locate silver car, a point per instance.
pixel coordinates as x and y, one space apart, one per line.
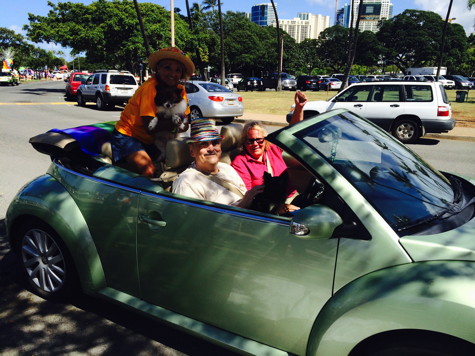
212 100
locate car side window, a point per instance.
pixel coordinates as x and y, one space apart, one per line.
386 93
420 93
96 79
191 88
103 78
355 94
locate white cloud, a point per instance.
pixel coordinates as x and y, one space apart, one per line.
459 11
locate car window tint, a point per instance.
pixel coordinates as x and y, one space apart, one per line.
122 79
103 78
191 88
419 93
96 79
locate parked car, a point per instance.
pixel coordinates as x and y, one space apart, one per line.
107 88
234 78
472 79
307 82
212 100
352 79
7 78
406 109
250 83
379 260
287 81
227 83
416 78
448 84
73 83
460 81
330 84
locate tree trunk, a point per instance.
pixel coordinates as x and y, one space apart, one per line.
442 41
280 49
352 42
221 40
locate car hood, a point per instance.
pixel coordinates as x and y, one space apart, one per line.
455 244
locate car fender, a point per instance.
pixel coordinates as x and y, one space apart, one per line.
436 296
64 216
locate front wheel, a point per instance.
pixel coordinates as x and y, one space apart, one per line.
100 104
46 263
195 113
80 99
406 131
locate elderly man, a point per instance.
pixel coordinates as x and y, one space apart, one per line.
207 178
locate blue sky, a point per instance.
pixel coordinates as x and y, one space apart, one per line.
287 9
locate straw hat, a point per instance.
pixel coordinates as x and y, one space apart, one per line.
203 130
171 53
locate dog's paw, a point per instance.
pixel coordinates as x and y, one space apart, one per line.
176 119
152 124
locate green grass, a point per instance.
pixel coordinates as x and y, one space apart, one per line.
278 103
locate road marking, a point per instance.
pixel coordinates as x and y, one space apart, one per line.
58 103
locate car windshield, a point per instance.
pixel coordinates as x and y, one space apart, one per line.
122 79
404 189
215 88
4 74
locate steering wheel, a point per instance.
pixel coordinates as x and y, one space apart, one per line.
312 194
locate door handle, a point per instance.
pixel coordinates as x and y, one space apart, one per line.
151 221
358 105
394 105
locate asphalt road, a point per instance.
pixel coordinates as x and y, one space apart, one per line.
30 325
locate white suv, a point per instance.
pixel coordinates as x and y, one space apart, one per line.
406 109
107 88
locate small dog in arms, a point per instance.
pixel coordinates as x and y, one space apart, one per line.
170 106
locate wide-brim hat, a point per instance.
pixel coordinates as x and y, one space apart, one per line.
203 130
171 53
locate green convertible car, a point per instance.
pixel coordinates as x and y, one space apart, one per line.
379 260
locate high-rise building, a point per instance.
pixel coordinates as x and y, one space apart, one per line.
263 14
373 12
304 26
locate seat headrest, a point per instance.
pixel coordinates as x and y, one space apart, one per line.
231 134
178 153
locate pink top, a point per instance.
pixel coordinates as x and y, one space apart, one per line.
252 171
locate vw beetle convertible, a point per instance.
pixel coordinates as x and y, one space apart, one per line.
379 260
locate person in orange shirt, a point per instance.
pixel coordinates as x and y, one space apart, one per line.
132 143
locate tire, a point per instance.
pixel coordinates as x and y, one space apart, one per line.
100 104
80 99
195 113
420 344
406 130
46 263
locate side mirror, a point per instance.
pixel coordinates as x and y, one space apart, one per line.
315 222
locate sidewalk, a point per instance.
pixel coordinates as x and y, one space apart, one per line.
458 133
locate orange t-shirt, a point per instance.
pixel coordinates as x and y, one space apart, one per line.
142 103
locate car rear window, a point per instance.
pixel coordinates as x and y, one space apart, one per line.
81 78
214 88
122 79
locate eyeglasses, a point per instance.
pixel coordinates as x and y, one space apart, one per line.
259 141
205 144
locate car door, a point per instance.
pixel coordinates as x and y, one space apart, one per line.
89 89
385 103
354 98
233 269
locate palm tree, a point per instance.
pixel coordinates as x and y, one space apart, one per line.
210 4
471 3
